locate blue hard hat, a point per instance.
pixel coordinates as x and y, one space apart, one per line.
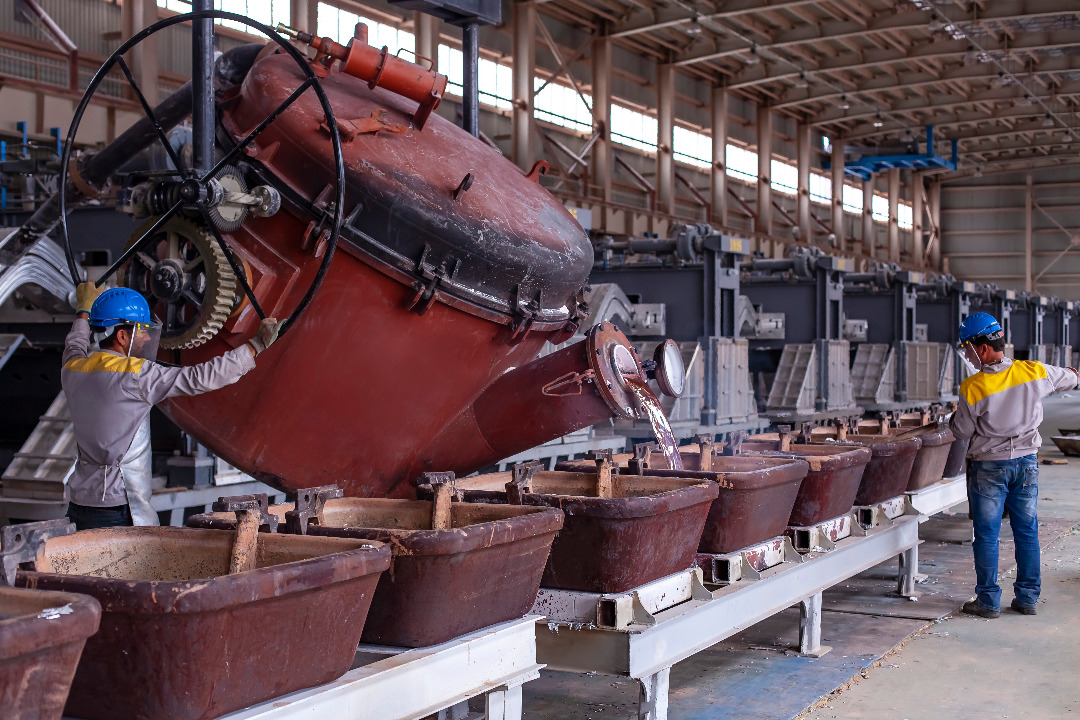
117 306
977 325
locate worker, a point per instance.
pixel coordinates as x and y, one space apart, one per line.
110 393
999 410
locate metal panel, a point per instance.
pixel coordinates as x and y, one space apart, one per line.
735 402
923 370
947 382
841 395
795 383
42 464
872 373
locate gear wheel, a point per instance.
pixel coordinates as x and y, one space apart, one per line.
186 279
226 215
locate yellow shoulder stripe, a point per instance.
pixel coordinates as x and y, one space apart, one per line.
982 385
105 362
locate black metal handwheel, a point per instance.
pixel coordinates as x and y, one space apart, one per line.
183 278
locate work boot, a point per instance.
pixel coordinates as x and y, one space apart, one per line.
974 607
1023 609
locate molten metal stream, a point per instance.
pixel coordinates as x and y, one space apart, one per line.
660 426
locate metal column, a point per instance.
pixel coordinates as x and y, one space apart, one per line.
470 93
305 14
868 240
665 137
803 143
938 234
602 152
1028 202
917 246
524 68
764 188
719 155
829 319
721 295
202 85
838 194
134 16
893 178
427 37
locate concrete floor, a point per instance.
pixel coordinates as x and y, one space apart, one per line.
891 658
1011 667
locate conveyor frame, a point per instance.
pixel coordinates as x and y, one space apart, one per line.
646 652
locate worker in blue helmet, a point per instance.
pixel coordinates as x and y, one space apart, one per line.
110 390
999 412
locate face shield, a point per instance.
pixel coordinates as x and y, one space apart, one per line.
969 357
144 340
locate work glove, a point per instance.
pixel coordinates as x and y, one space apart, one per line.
85 295
265 335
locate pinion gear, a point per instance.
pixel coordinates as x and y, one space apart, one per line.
186 279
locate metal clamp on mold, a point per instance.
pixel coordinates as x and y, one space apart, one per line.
26 544
310 503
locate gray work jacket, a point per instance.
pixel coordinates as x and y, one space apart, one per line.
1000 408
110 395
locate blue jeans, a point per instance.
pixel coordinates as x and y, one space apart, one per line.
994 485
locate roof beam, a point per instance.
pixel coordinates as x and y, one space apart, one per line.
757 74
942 102
892 127
982 71
887 21
672 17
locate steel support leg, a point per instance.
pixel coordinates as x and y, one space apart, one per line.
653 702
810 627
503 703
909 569
457 712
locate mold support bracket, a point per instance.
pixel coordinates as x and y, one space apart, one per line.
653 701
909 566
810 627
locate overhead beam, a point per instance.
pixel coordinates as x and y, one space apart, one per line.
948 102
917 79
884 22
646 21
942 119
934 49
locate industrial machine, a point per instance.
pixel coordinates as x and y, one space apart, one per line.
411 337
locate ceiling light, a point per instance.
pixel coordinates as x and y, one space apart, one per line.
753 59
694 28
1000 80
1027 100
978 171
844 104
801 82
878 122
1048 121
936 24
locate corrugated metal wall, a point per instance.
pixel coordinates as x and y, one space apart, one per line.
984 226
95 28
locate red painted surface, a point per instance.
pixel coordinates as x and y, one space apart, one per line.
359 387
